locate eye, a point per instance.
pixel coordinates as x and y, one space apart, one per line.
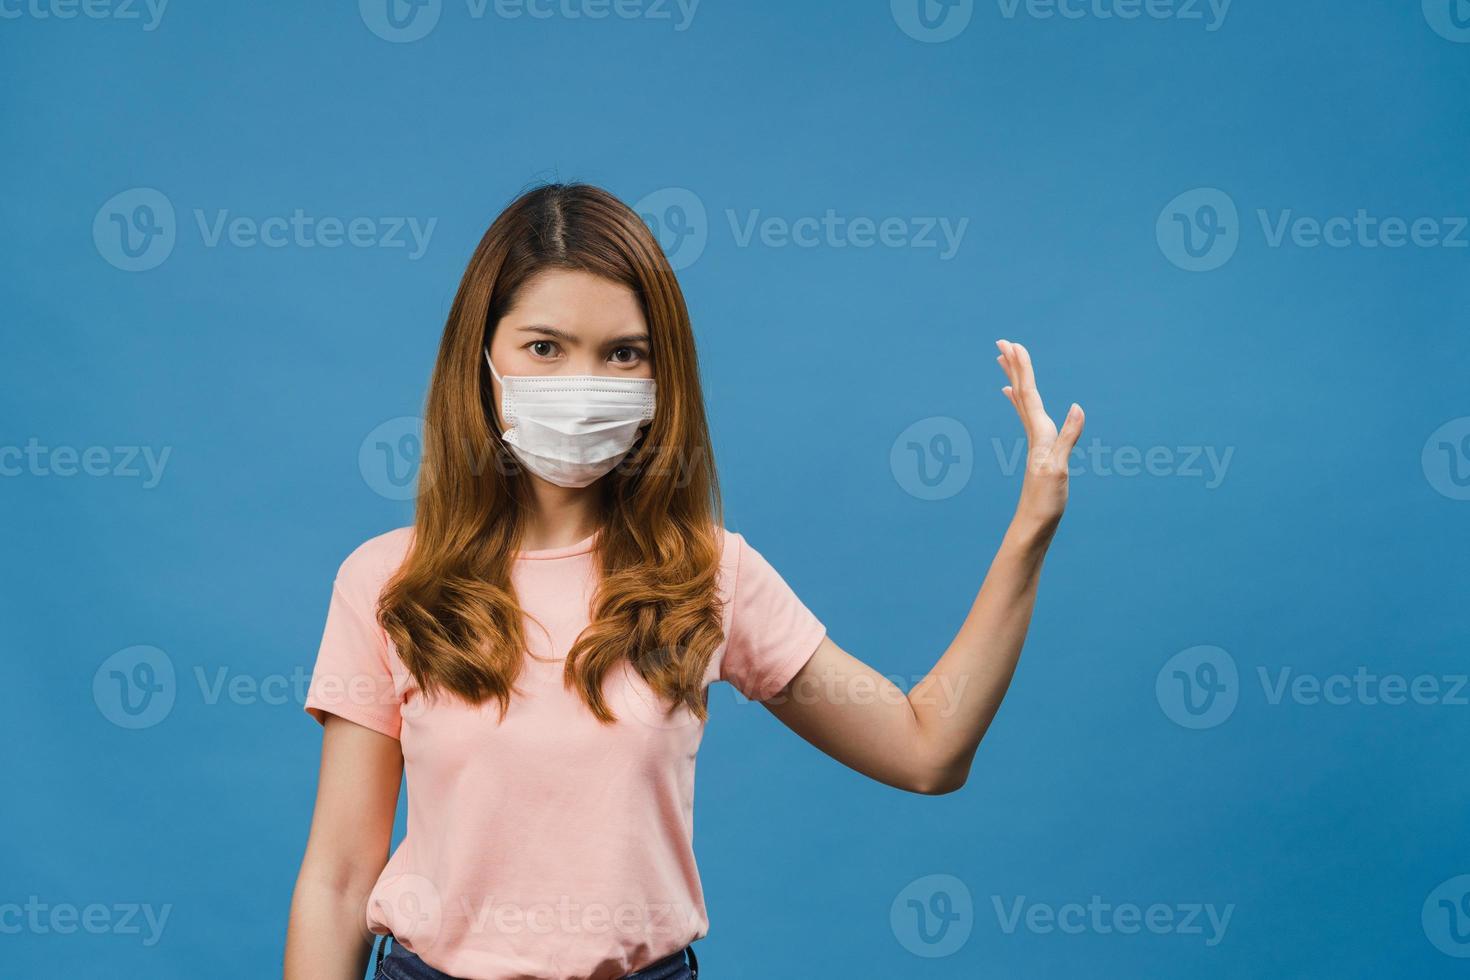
636 355
534 346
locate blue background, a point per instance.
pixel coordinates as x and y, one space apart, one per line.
1328 546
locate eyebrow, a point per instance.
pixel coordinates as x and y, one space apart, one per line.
541 328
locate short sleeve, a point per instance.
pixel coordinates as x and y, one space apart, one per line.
353 677
772 632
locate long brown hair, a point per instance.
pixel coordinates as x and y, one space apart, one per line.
450 609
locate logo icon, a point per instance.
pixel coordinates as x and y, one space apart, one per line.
1446 459
1199 230
1449 18
135 688
390 457
932 21
1446 917
135 230
400 21
1199 687
411 905
932 916
933 458
677 218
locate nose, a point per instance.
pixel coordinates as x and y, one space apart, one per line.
585 363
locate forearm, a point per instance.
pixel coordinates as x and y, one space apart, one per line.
327 937
925 740
955 703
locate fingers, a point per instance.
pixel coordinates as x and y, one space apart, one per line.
1010 394
1026 399
1010 359
1007 362
1029 394
1023 394
1071 431
1023 364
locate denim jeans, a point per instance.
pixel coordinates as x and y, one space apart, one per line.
400 964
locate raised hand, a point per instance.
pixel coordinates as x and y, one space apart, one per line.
1044 490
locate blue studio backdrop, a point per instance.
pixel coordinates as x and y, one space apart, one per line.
1236 233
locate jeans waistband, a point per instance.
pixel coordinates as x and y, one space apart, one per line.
663 969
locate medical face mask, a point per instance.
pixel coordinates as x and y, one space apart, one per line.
571 429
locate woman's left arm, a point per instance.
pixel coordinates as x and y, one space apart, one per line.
924 741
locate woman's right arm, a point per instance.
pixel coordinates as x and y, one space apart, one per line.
351 831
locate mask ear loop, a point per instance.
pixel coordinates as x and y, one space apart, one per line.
506 405
634 451
502 450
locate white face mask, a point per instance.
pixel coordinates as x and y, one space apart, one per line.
571 429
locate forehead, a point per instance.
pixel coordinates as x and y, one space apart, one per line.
576 302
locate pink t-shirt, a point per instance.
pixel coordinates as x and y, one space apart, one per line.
547 845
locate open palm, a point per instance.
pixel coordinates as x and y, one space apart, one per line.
1044 490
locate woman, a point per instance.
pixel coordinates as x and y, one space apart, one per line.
533 652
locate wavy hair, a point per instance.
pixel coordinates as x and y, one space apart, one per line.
451 609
